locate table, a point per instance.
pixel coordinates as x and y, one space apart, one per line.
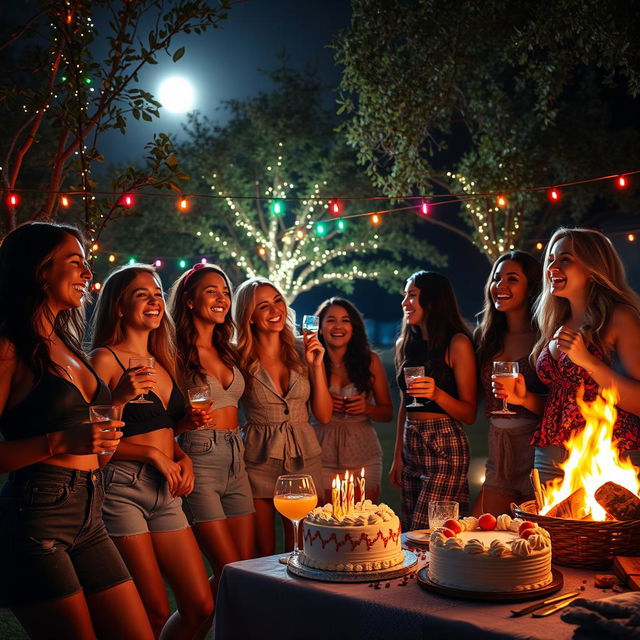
260 599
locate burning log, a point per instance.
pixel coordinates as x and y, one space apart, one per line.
571 508
534 476
621 503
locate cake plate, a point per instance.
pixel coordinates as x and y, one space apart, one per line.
491 596
296 568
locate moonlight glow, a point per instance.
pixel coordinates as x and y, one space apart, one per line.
176 94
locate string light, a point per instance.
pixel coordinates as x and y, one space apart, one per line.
112 258
335 207
342 225
277 208
553 195
13 200
64 202
262 252
157 263
375 219
424 208
182 263
621 182
501 201
183 204
97 286
539 246
631 237
95 247
321 229
127 200
131 260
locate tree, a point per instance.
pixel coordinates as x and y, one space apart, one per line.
504 94
273 173
62 94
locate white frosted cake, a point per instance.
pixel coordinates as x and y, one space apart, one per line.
513 556
366 539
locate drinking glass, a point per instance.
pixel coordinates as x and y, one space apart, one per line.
410 374
348 392
507 373
103 413
200 398
141 362
311 324
294 496
440 511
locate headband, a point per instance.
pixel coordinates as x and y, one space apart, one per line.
196 267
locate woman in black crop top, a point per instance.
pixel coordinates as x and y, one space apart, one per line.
60 573
149 473
431 456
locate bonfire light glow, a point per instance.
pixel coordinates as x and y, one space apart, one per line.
593 458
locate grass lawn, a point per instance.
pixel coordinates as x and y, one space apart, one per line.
11 630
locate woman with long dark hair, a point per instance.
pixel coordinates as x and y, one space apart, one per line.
431 457
60 573
144 481
283 380
360 393
220 508
507 332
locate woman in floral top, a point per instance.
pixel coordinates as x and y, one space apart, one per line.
589 321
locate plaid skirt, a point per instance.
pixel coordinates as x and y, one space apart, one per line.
435 455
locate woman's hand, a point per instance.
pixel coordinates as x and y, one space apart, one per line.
313 349
200 418
86 438
338 403
423 387
572 343
170 469
187 479
395 473
356 405
133 382
519 390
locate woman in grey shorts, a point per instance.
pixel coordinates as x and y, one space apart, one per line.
220 508
279 383
143 484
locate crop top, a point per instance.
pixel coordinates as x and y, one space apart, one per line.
230 396
54 404
144 418
444 380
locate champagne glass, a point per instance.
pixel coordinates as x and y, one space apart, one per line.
294 496
507 373
200 398
141 362
311 324
103 413
410 374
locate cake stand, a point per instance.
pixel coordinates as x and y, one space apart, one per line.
295 567
491 596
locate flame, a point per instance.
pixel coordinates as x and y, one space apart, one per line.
593 458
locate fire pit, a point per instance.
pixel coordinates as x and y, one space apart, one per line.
593 512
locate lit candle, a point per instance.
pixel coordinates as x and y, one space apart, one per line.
343 493
334 496
351 494
361 485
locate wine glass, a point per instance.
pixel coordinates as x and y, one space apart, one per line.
294 496
348 392
507 373
410 374
311 324
103 413
141 362
200 398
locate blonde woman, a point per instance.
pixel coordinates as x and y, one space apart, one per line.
281 377
142 509
589 320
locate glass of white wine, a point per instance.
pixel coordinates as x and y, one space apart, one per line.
294 496
103 413
410 374
141 362
507 374
200 398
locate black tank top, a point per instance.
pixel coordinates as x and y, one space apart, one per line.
54 404
144 418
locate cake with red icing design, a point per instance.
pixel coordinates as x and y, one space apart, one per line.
368 538
498 555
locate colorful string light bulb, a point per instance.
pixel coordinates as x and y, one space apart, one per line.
335 207
554 195
182 263
13 200
64 202
183 204
424 208
375 219
321 229
539 246
631 237
342 225
621 182
277 208
112 258
127 200
501 201
157 263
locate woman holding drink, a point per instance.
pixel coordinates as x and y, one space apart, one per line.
220 508
504 340
431 457
281 377
60 574
360 393
149 473
589 321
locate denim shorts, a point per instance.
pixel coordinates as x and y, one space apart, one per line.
53 542
137 500
222 488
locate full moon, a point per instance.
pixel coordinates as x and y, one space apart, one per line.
176 94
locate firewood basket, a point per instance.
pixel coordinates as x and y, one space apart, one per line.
583 543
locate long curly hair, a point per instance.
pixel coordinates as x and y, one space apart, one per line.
442 318
182 292
25 253
358 356
492 326
608 287
244 305
107 329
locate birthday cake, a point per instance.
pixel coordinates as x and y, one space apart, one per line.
490 554
366 538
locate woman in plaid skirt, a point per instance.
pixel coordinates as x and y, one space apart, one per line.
431 456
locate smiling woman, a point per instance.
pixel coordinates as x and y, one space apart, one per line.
176 94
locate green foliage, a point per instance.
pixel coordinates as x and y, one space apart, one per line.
278 146
504 94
